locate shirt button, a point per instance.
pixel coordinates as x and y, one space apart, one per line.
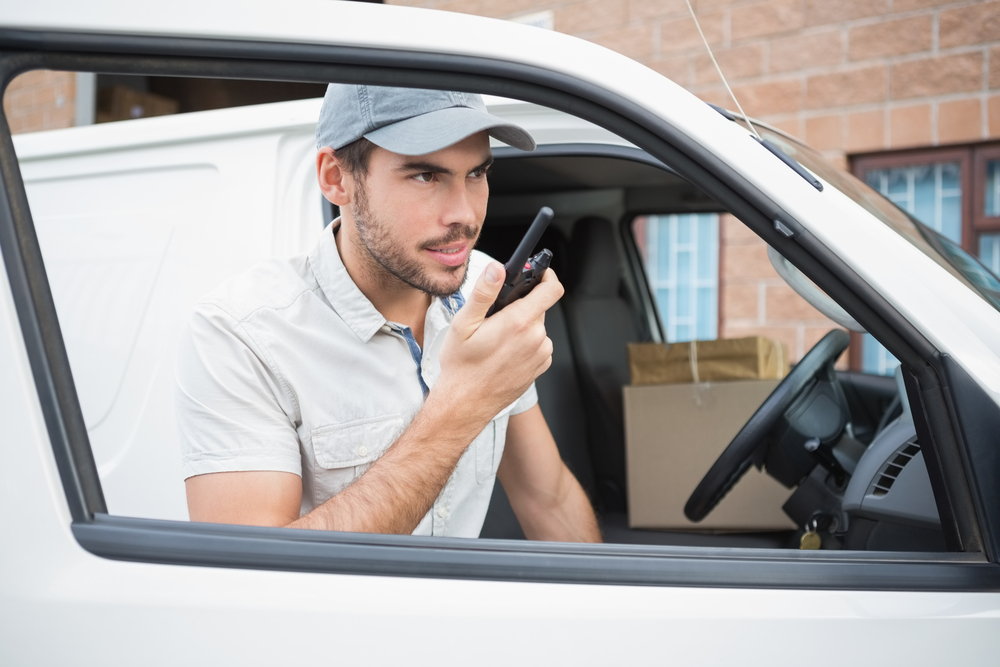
442 512
362 451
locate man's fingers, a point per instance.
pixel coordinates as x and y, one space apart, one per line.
542 297
482 297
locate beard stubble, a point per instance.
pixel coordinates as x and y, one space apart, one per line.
389 264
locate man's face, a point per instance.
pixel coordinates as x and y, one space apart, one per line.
418 218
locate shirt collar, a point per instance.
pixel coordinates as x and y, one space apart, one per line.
345 297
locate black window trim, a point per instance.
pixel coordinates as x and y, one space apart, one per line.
219 58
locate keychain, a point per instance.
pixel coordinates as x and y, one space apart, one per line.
811 539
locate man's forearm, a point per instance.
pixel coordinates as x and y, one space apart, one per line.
567 516
401 486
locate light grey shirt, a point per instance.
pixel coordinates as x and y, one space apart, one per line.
289 367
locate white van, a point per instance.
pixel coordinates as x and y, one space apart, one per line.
109 233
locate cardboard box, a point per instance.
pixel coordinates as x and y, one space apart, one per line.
750 358
673 435
123 103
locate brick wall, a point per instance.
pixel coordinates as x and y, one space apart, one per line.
40 100
754 300
847 76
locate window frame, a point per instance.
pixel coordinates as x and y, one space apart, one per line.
963 156
972 160
123 538
980 221
627 231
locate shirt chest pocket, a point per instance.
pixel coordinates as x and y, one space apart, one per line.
343 452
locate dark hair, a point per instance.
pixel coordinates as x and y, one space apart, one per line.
354 157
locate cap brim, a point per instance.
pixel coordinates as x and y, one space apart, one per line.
435 130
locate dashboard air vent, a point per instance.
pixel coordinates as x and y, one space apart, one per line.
887 476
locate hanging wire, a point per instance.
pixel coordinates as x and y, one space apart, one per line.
719 70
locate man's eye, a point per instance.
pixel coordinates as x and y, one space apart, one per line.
425 177
480 173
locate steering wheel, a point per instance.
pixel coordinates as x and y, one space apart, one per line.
738 456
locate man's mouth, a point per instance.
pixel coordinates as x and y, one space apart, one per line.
453 254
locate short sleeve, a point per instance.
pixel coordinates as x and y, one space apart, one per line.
232 411
527 401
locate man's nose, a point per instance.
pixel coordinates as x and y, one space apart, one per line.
462 205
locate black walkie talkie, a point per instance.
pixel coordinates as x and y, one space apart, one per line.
523 273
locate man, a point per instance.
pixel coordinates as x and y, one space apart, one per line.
360 387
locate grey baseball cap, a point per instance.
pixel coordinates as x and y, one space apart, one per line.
409 121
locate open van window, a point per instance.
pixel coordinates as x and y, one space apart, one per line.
235 187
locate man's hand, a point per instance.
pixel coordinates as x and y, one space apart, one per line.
489 362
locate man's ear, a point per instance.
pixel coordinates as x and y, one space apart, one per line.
333 179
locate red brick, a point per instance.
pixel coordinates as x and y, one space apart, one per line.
700 5
770 17
910 126
737 63
738 302
40 100
823 12
890 38
959 121
825 132
993 116
732 231
718 96
900 6
974 24
45 96
865 131
790 126
635 42
784 303
491 8
937 76
994 67
675 68
859 86
511 8
805 50
462 6
641 10
770 98
680 34
747 262
592 15
837 158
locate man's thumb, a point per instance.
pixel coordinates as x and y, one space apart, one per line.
483 295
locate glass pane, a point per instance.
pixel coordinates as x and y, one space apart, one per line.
875 358
682 263
993 189
932 193
708 247
989 252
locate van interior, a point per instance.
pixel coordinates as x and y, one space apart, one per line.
598 192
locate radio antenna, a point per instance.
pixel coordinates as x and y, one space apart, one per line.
719 70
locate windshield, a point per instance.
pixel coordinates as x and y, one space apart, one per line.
939 248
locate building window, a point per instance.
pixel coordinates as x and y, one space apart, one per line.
681 255
955 191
